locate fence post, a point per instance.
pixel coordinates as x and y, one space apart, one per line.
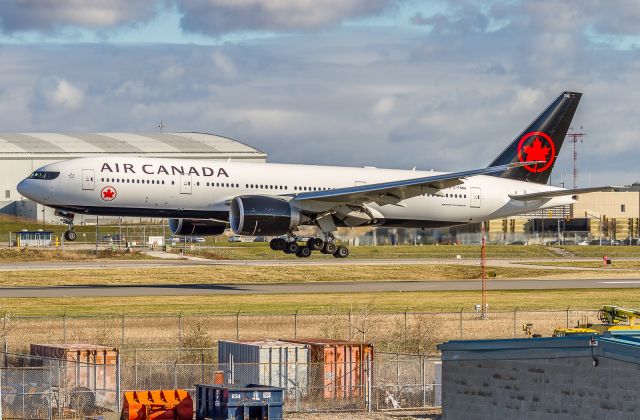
135 367
118 401
515 310
238 325
568 316
461 308
423 372
369 384
180 328
397 369
50 393
405 327
350 322
64 326
295 323
122 332
202 363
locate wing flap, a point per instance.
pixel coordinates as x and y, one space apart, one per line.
562 193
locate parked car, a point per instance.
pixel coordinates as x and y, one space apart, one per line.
584 243
192 239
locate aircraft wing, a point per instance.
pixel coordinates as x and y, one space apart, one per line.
395 191
561 193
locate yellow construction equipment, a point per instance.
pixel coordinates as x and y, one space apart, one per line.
613 318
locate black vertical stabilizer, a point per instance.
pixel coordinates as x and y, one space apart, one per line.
540 141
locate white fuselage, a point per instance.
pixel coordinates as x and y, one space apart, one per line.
167 187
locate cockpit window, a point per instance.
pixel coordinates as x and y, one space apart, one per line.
44 175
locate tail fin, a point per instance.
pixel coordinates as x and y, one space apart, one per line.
540 141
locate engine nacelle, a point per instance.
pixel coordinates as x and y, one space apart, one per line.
202 227
253 215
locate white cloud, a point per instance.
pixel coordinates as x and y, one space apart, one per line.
225 65
60 92
384 106
52 15
221 16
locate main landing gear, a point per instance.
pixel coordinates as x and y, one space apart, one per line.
67 218
292 246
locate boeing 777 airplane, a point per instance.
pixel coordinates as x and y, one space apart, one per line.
205 197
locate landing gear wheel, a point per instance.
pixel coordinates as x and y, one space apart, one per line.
291 248
279 244
303 252
341 252
315 244
70 235
329 248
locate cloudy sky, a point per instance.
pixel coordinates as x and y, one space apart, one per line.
389 83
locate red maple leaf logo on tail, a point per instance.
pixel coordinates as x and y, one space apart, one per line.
536 152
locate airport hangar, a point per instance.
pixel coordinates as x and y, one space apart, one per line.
22 153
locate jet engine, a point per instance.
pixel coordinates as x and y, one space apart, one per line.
254 215
196 227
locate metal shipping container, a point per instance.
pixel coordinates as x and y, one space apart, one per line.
86 368
340 368
267 362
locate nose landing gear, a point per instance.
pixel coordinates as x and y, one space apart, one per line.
70 235
67 218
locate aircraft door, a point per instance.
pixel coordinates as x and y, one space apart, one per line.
476 197
185 184
88 179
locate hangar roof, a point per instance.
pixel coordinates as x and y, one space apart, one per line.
121 143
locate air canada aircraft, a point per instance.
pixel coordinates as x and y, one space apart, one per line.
202 197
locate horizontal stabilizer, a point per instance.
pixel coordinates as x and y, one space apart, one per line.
563 193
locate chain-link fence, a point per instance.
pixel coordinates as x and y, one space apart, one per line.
408 332
38 388
43 388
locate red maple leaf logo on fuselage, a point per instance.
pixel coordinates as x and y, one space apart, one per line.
108 193
536 152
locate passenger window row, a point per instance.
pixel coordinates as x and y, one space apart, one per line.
134 181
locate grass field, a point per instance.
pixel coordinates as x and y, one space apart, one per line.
616 264
244 251
225 274
34 254
446 301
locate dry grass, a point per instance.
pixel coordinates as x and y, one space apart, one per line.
616 264
390 331
8 255
238 274
317 303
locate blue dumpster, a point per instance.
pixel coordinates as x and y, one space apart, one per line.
238 402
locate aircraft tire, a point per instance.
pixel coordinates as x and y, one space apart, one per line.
291 248
303 252
277 244
315 244
329 248
341 252
70 235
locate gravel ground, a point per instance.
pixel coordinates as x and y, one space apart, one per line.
395 415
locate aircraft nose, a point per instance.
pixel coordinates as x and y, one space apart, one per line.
28 189
22 188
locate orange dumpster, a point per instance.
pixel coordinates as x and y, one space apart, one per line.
174 404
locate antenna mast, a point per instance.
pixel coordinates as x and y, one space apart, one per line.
574 136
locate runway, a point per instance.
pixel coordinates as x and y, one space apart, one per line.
317 287
193 262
